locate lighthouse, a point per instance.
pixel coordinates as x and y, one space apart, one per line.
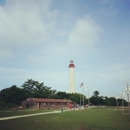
71 77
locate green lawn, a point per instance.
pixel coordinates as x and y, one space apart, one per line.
21 112
90 119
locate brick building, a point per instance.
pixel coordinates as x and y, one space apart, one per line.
45 103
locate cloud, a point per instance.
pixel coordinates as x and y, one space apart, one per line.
53 78
103 1
115 74
109 8
85 32
29 25
5 54
33 33
106 1
34 58
25 23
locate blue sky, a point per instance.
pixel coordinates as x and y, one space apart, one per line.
39 38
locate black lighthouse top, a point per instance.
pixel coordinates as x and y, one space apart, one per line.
71 65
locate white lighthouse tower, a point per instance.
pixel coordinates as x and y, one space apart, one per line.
71 77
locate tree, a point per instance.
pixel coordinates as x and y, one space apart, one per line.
61 95
75 97
38 90
52 93
95 93
95 100
31 85
13 95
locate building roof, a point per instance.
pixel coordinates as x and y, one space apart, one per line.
49 100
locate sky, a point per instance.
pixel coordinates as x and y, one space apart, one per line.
38 38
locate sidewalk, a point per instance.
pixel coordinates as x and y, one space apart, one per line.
13 117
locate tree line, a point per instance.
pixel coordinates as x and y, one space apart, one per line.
14 95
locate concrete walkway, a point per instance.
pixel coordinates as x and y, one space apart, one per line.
13 117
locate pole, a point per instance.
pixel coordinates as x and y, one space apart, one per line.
116 102
127 90
80 99
122 105
128 102
88 97
122 97
83 96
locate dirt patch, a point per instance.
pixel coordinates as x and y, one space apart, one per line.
82 128
38 121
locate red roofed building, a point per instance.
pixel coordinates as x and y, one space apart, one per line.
45 103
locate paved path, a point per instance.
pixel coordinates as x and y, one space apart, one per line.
13 117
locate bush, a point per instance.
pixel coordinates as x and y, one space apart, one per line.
6 106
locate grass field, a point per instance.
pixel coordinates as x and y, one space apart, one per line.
21 112
90 119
